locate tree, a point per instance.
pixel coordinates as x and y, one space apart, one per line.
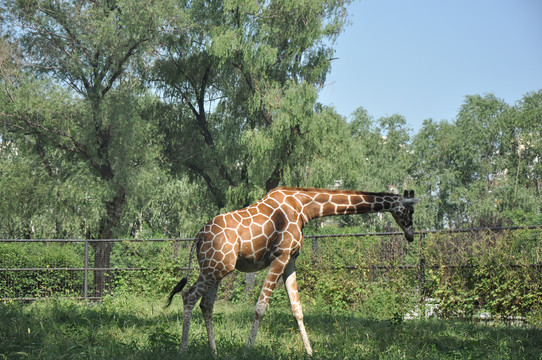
523 163
242 82
527 141
478 170
481 150
385 150
82 111
480 123
437 175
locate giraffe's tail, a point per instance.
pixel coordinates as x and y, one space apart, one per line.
180 286
177 289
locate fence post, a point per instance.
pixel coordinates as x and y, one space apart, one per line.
421 285
85 281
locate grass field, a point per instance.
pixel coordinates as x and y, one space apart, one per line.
130 327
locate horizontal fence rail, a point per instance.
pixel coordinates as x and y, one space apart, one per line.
73 275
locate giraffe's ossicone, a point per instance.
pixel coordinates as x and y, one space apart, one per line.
269 234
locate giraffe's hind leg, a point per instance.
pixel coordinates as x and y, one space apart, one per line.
190 298
206 305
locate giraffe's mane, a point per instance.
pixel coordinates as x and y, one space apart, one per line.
333 191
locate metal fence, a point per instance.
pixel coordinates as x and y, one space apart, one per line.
33 269
422 255
37 269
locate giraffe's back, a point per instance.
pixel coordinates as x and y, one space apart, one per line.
245 239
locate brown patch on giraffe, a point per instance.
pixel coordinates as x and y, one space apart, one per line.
340 199
210 263
279 220
260 219
303 198
256 230
205 246
244 214
268 227
236 216
278 196
377 207
246 222
328 208
219 256
246 249
322 198
265 209
219 221
229 219
260 243
215 229
291 206
229 258
230 235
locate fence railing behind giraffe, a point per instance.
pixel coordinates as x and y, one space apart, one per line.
34 269
44 268
446 250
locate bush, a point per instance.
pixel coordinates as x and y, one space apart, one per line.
495 272
40 283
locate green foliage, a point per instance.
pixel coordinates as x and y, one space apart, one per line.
475 170
493 272
42 283
160 263
241 83
155 125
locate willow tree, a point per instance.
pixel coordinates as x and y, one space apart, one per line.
241 83
526 142
75 97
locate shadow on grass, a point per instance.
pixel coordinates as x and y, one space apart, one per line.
133 329
418 339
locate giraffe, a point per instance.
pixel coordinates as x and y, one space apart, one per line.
268 234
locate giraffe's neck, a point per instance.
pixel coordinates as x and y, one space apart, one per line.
321 202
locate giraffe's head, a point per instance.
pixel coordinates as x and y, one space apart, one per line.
402 213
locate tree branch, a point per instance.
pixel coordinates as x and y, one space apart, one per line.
120 65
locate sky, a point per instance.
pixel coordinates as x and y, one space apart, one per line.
420 58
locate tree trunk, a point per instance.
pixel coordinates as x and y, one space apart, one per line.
102 259
102 249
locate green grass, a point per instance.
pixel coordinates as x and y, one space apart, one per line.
132 327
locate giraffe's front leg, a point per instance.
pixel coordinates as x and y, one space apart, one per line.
276 269
291 287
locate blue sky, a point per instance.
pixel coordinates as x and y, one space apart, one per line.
420 58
